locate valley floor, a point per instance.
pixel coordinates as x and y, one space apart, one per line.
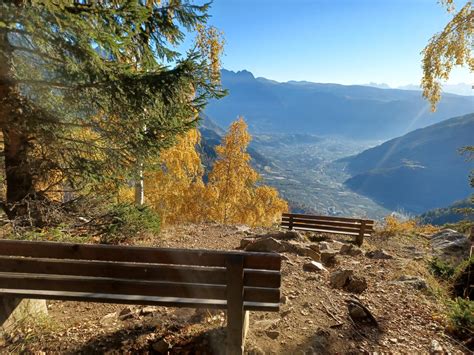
313 317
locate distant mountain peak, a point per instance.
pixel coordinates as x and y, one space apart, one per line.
241 74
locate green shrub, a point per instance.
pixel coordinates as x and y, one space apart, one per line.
441 269
127 221
463 279
461 317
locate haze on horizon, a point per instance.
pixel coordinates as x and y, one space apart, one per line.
343 41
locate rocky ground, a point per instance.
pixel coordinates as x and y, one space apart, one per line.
336 298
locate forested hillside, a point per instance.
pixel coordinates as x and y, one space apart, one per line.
418 171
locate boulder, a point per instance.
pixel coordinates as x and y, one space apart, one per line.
312 254
335 245
340 278
350 249
161 347
450 246
413 281
328 257
378 254
268 245
356 284
314 267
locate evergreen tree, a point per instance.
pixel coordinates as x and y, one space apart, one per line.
80 81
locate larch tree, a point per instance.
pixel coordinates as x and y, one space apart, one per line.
233 184
453 46
107 67
174 188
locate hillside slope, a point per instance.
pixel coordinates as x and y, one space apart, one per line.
419 171
322 109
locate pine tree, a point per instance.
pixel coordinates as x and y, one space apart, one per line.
107 67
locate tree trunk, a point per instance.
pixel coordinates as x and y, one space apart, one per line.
140 188
19 179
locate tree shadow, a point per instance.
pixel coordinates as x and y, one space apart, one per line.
345 339
143 339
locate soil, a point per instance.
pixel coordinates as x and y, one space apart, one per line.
313 316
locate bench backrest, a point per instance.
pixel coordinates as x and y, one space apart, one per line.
329 224
200 275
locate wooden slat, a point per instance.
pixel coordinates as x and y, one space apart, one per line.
322 224
195 257
327 218
257 278
328 228
130 299
260 294
111 286
355 225
329 231
151 272
118 270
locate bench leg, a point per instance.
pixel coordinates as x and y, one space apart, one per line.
16 310
237 327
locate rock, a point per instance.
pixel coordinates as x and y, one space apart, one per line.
284 299
436 347
266 324
360 313
450 246
246 241
349 249
265 245
126 313
414 281
109 319
284 235
293 247
242 228
314 266
378 254
328 257
162 346
272 334
356 284
340 278
335 245
313 254
148 310
324 246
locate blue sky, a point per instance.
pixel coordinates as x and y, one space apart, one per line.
339 41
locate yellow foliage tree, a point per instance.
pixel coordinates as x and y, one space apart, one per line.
451 47
174 190
232 187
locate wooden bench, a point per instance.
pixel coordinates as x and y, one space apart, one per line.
359 228
235 281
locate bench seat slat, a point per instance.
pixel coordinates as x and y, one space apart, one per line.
330 231
325 228
132 299
136 271
328 218
353 225
316 224
131 287
111 286
196 257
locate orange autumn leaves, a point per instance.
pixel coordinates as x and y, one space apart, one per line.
233 193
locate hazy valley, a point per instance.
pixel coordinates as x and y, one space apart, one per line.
322 145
